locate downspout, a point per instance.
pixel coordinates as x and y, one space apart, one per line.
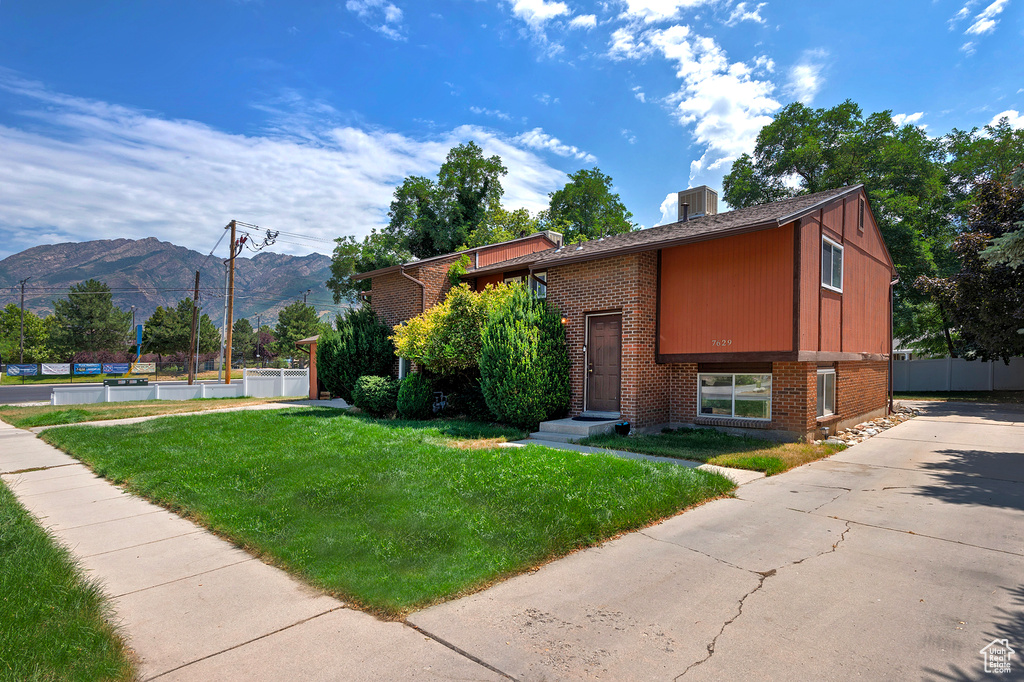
892 289
423 288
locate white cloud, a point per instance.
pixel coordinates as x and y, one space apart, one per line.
961 14
639 93
629 136
741 13
380 15
536 13
587 21
651 11
546 99
1015 117
985 21
968 48
87 170
670 208
491 112
805 79
907 119
538 139
626 45
726 103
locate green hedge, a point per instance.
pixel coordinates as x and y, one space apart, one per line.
524 365
360 346
416 397
376 395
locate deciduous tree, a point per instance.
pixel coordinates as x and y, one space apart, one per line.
587 208
88 321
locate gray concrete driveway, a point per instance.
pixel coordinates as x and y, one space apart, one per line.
900 558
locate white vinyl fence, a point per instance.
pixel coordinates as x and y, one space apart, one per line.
256 383
957 374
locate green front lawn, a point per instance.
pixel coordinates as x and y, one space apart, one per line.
1012 397
53 623
390 515
715 447
48 415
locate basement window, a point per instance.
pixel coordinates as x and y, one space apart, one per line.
826 392
831 265
739 396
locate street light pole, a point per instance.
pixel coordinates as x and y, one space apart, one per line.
21 343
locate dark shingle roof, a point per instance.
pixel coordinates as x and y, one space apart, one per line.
696 229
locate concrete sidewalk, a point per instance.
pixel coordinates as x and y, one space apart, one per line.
194 607
899 558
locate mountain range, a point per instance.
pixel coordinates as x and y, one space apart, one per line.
147 273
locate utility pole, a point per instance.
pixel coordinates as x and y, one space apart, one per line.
231 300
21 343
258 316
224 326
192 333
305 295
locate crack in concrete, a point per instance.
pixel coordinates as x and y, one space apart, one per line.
764 575
697 551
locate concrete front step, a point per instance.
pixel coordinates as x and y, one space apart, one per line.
576 429
552 437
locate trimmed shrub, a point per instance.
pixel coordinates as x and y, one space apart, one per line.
524 366
416 397
375 395
468 401
360 346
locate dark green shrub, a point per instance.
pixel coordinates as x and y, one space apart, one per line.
375 395
524 366
467 400
360 346
416 397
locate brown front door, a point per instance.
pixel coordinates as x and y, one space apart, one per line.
604 355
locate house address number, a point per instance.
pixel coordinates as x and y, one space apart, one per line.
721 342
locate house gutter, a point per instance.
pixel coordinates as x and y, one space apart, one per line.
423 287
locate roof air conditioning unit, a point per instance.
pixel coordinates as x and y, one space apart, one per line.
696 202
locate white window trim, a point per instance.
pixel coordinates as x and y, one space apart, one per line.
771 398
823 371
842 265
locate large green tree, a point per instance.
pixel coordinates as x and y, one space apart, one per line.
500 225
37 336
294 323
169 330
88 321
984 299
587 208
243 341
426 218
806 150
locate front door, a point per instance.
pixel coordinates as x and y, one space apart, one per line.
604 355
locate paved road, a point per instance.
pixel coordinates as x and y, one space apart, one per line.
38 392
899 558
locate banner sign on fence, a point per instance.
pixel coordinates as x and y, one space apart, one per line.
144 368
88 368
22 370
57 368
116 367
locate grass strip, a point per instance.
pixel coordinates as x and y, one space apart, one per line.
715 447
54 624
47 415
389 515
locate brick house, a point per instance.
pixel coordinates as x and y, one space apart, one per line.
771 320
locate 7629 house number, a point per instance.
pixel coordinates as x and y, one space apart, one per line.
721 342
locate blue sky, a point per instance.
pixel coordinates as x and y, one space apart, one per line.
168 119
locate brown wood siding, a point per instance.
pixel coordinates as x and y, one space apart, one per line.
810 281
482 282
501 252
865 303
831 317
870 240
737 288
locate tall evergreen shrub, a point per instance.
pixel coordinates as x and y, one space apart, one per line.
360 346
524 365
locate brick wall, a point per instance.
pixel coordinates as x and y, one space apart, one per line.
627 284
396 298
861 392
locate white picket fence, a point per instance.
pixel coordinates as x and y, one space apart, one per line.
255 383
957 374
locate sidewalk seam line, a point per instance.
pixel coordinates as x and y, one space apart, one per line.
186 577
461 652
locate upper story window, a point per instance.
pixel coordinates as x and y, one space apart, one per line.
538 288
860 216
831 265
